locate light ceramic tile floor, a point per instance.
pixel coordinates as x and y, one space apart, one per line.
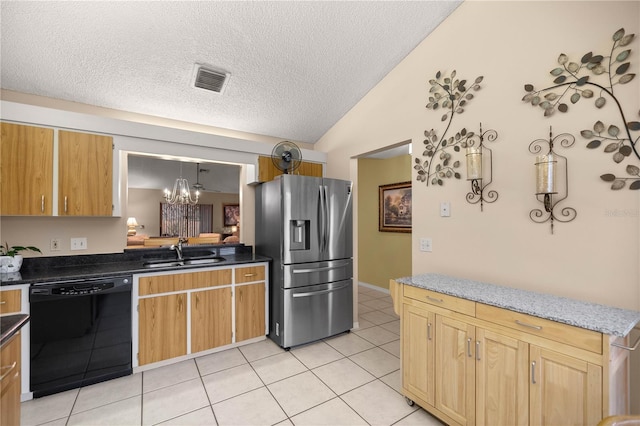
350 379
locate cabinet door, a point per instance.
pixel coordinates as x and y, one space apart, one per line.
10 301
502 380
564 390
418 342
267 171
10 382
455 369
26 155
85 183
162 328
250 311
210 319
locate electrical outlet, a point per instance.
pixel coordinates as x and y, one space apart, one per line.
445 209
425 244
79 243
55 244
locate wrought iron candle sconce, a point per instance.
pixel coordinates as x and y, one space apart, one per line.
479 156
552 182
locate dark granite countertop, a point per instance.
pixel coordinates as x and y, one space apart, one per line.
10 324
62 268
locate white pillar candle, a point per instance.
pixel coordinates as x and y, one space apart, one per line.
474 163
545 174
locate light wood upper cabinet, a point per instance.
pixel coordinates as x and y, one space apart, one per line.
10 381
27 170
85 180
267 171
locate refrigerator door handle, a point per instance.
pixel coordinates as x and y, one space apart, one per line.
327 215
326 268
318 293
321 218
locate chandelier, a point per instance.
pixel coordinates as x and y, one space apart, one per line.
181 193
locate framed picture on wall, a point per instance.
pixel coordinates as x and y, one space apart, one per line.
394 210
231 213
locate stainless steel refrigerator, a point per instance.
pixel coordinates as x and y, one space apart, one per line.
305 224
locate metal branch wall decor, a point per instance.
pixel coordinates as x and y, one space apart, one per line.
552 179
451 95
480 168
596 77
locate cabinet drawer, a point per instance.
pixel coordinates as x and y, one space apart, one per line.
250 274
210 278
552 330
10 301
445 301
180 282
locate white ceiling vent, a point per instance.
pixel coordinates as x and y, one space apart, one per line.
209 79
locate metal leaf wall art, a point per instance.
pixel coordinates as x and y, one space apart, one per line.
450 95
597 77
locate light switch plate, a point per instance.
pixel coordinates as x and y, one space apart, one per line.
445 209
426 244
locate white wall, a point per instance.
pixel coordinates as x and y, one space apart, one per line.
594 258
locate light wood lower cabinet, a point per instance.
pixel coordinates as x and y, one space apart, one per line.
162 328
191 312
502 380
418 354
564 390
250 311
467 370
10 382
210 319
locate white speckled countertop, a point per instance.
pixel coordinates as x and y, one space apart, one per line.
592 316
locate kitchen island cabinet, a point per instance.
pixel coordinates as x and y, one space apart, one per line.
468 362
181 315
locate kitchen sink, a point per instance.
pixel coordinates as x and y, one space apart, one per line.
165 263
203 260
162 263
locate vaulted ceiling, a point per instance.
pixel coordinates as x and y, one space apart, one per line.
296 67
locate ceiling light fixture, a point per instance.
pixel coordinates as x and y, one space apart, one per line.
181 193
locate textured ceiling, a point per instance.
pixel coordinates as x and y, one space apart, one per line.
296 67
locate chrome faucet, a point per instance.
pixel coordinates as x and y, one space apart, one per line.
178 248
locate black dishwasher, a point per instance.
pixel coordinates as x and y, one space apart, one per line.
80 333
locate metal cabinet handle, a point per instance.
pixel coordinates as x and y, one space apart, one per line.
429 331
433 299
3 302
9 369
469 347
629 348
478 350
524 324
249 275
533 372
42 204
65 204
